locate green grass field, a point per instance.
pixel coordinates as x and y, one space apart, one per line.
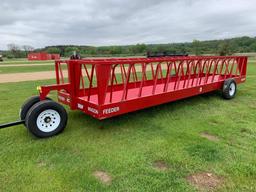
127 146
24 69
8 66
23 61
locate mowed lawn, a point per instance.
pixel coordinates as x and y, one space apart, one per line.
128 149
25 69
23 65
23 61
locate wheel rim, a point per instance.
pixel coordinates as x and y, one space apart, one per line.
232 89
48 120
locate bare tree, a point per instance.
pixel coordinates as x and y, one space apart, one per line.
14 49
27 48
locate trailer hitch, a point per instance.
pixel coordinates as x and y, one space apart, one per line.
2 126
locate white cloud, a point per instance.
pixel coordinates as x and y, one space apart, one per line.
94 22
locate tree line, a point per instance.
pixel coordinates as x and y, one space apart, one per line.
216 47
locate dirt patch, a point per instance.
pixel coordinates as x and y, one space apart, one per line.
30 76
205 181
42 75
160 166
103 176
209 136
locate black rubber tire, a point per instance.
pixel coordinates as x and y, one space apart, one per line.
28 104
37 109
226 90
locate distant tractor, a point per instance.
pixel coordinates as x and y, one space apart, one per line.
75 56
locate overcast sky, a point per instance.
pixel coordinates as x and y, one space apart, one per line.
112 22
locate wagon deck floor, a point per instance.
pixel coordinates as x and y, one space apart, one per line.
147 90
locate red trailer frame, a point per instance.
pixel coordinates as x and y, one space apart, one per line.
105 88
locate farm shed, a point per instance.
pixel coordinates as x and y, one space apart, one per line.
42 56
55 56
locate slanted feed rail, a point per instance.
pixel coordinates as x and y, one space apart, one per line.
107 87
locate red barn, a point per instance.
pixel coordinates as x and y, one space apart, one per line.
42 56
55 56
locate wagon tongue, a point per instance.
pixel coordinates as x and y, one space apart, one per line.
12 124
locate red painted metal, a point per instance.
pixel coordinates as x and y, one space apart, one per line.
55 56
104 88
43 56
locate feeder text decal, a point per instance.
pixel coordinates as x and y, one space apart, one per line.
95 111
111 110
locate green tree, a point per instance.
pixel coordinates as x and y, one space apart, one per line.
53 50
69 51
115 50
196 47
253 47
224 49
138 48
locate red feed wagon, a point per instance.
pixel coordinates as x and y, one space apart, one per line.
104 88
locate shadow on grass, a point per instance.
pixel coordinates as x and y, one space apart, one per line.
141 118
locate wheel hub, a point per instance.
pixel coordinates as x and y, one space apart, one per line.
48 120
232 89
